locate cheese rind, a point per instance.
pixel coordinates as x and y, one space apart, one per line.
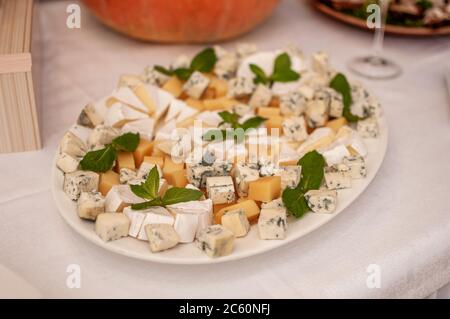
237 222
322 201
119 197
111 226
216 241
272 223
161 237
90 205
80 181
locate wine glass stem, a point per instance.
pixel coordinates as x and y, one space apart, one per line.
379 32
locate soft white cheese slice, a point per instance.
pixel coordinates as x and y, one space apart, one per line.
335 155
186 227
82 132
209 118
120 196
125 95
119 114
144 127
175 108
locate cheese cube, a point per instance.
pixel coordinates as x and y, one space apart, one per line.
67 163
220 189
294 129
161 237
293 103
322 201
245 173
144 148
268 112
216 241
319 63
219 85
102 135
80 181
158 160
197 174
335 155
265 189
242 109
119 197
171 166
119 114
144 127
203 209
261 97
125 160
272 223
368 128
317 109
266 167
154 215
240 86
126 175
174 86
154 77
186 226
226 66
90 204
124 96
107 181
220 103
249 207
290 176
335 179
237 222
275 204
196 85
89 116
72 145
111 226
336 103
274 124
354 166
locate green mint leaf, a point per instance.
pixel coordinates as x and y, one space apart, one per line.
204 61
230 118
214 135
100 160
149 189
176 195
183 73
286 76
127 142
253 122
163 70
295 202
312 164
340 84
260 75
144 205
282 63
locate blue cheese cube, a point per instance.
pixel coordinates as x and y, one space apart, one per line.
161 237
90 117
220 189
154 77
240 87
67 163
111 226
196 85
215 241
261 97
272 223
222 168
237 222
197 174
80 181
293 103
242 109
102 135
126 175
290 176
72 145
318 108
335 179
322 201
368 128
145 169
294 129
90 205
226 66
266 167
354 166
275 204
336 103
245 173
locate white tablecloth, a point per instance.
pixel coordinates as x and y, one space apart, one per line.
401 222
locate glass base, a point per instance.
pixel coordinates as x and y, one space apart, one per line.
375 67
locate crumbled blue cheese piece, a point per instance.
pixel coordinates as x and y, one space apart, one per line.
317 109
261 97
322 201
90 117
145 169
293 103
80 181
237 222
290 176
196 85
181 61
90 204
294 129
67 163
266 167
220 189
216 241
126 175
154 77
272 223
102 135
242 109
368 128
335 179
336 103
245 173
354 166
275 204
197 174
72 145
161 237
226 66
111 226
240 86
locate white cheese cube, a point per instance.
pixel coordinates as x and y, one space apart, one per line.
90 204
290 176
186 227
237 222
181 61
90 117
293 103
126 175
111 226
240 86
80 181
335 179
145 169
72 145
245 173
275 204
222 168
335 155
154 77
272 223
294 129
67 163
196 85
161 237
220 189
226 66
216 241
144 127
368 128
322 201
354 166
261 97
102 135
317 109
119 197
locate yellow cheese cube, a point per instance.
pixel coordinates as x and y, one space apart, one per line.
249 206
274 102
268 111
219 85
196 104
174 86
336 124
274 122
288 163
107 181
158 160
142 93
125 160
144 148
265 189
221 103
174 173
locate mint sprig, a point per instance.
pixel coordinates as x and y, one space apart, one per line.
340 84
282 71
103 160
202 62
312 164
149 190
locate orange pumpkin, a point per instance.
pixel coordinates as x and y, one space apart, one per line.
181 20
